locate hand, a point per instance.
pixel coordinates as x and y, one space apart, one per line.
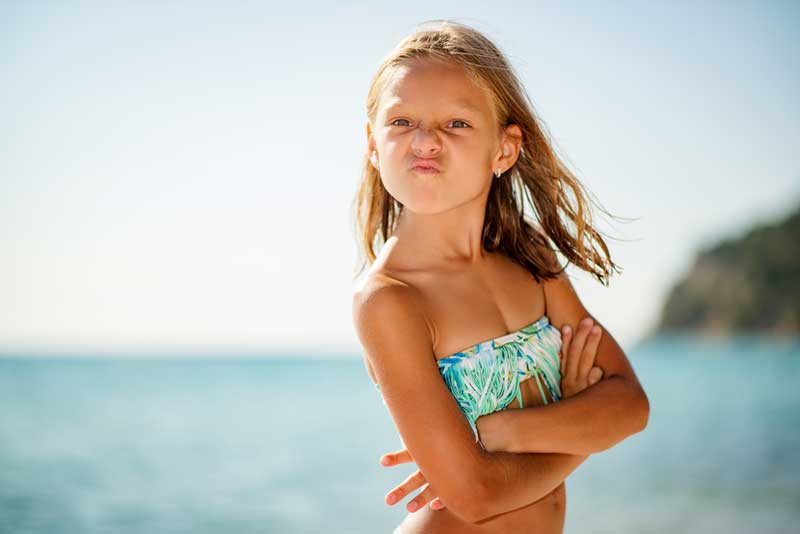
577 357
414 481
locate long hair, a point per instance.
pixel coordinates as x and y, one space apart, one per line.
538 175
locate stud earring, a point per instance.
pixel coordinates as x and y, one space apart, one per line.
497 173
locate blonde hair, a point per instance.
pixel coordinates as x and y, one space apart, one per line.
538 173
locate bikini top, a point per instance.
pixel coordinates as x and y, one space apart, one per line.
485 377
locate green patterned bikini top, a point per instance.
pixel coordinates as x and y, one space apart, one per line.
485 377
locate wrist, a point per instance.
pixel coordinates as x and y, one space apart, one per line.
499 431
506 432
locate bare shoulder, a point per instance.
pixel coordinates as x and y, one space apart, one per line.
563 304
397 344
564 307
383 298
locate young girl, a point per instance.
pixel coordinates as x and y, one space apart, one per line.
466 299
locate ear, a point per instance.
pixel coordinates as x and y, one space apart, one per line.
371 149
510 144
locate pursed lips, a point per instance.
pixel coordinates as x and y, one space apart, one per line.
425 164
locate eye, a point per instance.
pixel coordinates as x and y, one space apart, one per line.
394 121
462 122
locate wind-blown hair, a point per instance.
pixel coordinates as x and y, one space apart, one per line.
538 175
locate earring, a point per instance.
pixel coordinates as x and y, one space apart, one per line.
497 173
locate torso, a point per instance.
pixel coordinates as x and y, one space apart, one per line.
466 306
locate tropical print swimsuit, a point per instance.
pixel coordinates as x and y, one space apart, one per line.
485 377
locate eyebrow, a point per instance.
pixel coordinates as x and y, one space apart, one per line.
468 106
462 105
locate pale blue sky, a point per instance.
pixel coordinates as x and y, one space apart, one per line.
177 177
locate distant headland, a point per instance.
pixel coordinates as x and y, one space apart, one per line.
746 285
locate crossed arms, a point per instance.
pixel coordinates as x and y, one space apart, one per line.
528 463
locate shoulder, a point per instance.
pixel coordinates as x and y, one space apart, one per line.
385 308
381 293
563 304
381 287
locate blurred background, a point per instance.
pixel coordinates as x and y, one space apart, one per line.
177 258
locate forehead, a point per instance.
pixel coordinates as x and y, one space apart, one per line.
434 86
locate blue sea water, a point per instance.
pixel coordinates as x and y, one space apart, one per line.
174 445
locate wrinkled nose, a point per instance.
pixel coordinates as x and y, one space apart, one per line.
425 143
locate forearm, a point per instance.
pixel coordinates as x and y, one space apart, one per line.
591 421
516 480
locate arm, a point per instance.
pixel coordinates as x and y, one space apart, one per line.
592 420
554 469
475 484
519 479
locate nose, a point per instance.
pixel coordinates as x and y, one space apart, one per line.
425 143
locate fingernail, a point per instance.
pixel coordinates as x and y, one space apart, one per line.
390 499
566 329
595 329
412 506
384 460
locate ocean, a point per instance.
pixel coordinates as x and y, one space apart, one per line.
291 445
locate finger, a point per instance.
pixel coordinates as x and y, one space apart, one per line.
395 458
595 375
566 337
590 350
437 504
421 499
575 349
414 481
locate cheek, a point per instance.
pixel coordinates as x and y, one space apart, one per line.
462 180
471 171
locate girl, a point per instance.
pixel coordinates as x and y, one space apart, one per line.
466 299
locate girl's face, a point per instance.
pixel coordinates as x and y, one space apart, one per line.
432 115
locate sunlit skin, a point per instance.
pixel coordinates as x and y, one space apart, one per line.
578 372
434 112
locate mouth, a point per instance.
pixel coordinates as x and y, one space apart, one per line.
425 166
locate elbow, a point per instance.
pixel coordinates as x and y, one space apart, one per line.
471 510
480 506
474 510
471 513
640 414
644 411
638 407
472 504
635 415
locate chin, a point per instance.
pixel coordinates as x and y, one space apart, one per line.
418 199
422 206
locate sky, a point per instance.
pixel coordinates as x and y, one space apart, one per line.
176 178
